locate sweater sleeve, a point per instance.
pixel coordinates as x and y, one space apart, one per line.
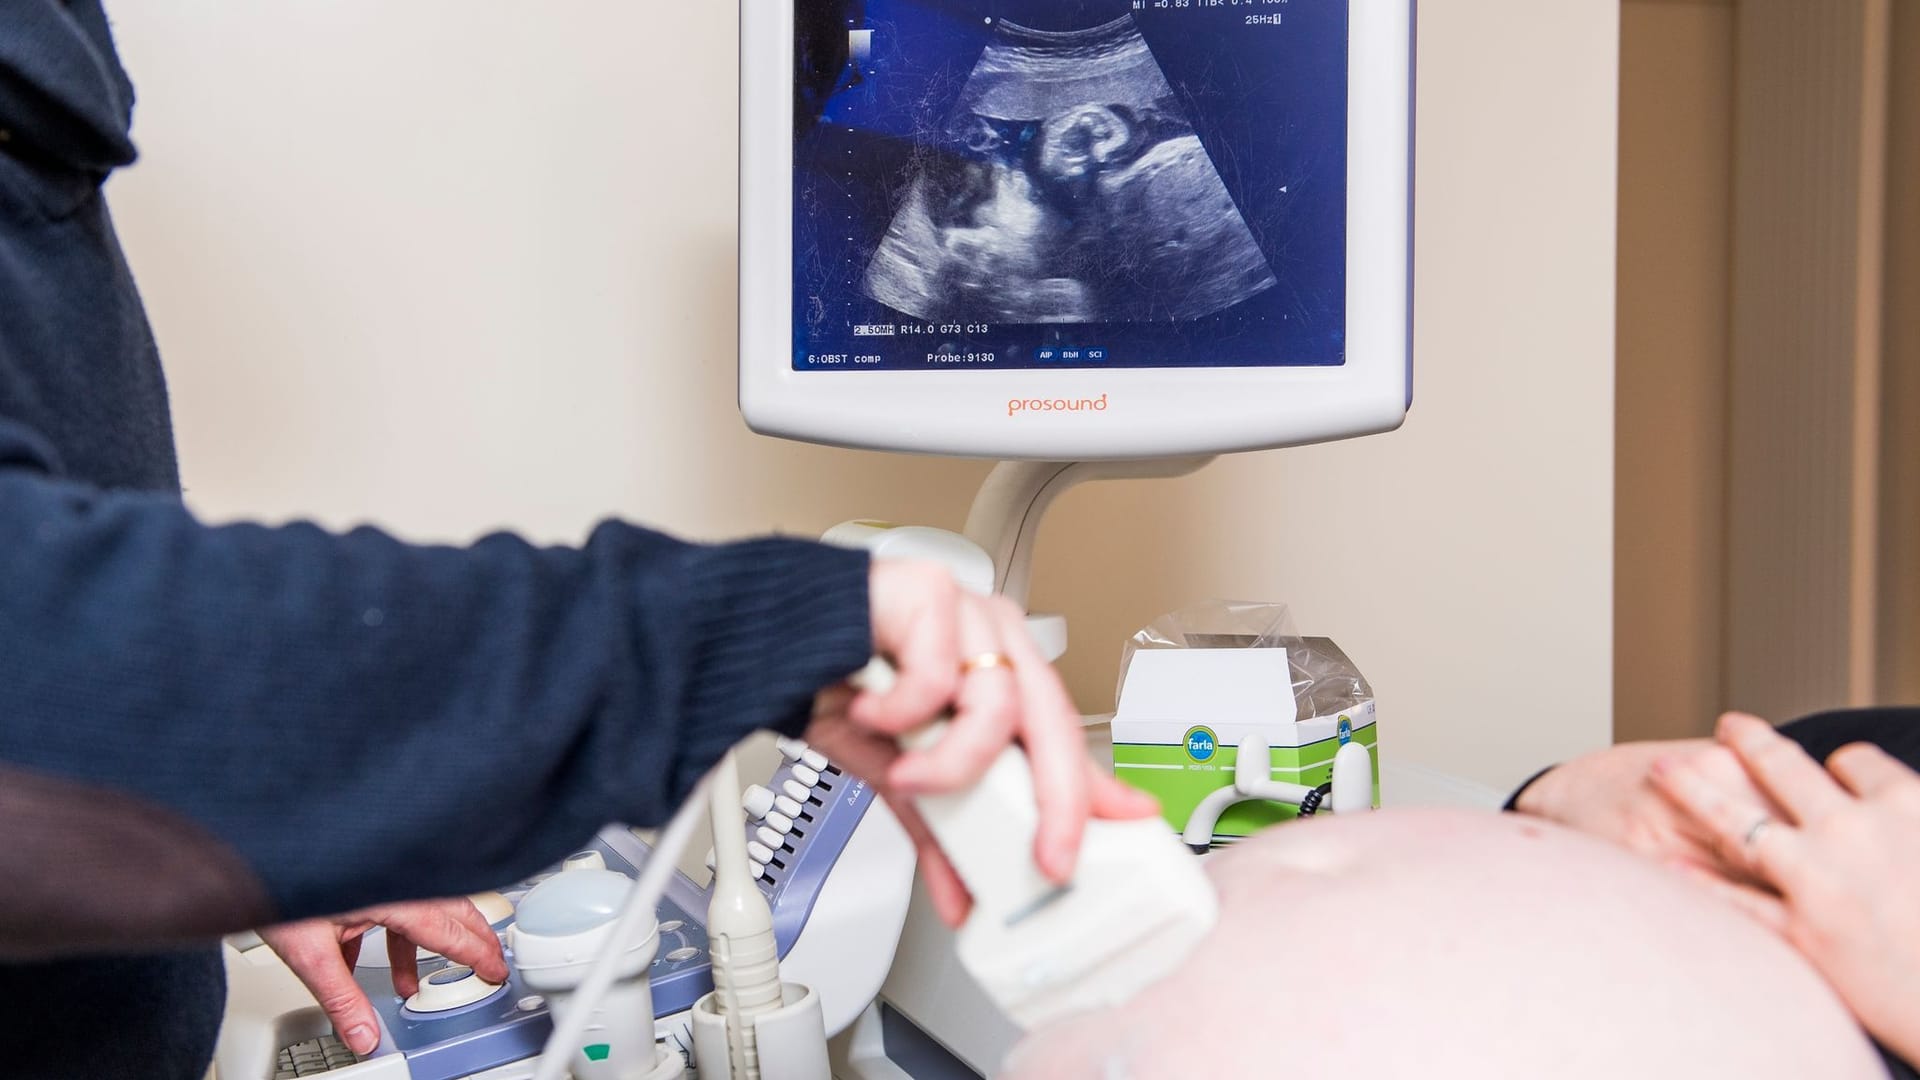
1895 730
345 719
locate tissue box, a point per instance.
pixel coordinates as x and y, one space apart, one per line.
1183 711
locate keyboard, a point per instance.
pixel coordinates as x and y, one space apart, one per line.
313 1058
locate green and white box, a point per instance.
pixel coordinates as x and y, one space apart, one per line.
1183 713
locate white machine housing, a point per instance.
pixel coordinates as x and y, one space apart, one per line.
1152 421
1146 412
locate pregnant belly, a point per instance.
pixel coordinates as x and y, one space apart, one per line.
1444 943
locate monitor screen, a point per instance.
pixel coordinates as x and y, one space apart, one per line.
1033 184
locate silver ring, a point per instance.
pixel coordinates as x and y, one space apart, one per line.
1753 833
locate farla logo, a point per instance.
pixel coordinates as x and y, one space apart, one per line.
1202 744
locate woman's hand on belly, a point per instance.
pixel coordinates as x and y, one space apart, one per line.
1838 853
1610 794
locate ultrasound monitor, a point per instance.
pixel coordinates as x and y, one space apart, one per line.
1075 229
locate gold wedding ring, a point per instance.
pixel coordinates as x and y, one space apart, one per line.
984 661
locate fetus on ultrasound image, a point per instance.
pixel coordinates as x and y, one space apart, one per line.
1066 188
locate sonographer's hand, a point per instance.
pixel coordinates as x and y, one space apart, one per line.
1838 851
322 952
1610 794
954 650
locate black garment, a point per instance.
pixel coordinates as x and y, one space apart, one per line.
1895 730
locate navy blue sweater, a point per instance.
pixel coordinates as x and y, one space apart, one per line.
205 728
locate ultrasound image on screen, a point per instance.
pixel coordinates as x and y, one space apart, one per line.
1076 183
1074 191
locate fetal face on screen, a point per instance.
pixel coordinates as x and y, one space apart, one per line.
1067 187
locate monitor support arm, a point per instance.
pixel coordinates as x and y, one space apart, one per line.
1006 514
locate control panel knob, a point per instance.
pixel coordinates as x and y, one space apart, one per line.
585 860
450 988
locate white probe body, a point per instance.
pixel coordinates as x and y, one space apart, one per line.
1137 904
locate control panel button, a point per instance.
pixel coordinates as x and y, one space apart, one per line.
759 852
791 749
815 760
796 791
759 872
767 836
787 805
493 907
805 775
779 822
757 801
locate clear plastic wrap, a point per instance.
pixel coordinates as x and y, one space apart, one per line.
1325 681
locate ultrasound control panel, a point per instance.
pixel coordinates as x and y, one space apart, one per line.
799 820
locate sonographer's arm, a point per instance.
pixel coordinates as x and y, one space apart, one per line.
203 729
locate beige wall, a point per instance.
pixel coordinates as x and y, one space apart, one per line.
452 267
1676 160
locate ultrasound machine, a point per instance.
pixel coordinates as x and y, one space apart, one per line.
1090 238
